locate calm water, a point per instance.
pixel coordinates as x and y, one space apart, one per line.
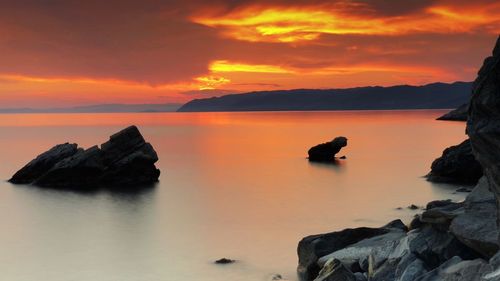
233 185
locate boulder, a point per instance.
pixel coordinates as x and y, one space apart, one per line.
313 247
458 114
334 270
441 213
43 162
410 271
325 152
456 165
483 124
437 273
125 160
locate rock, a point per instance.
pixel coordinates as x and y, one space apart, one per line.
227 261
360 276
437 273
456 165
378 247
325 152
413 207
468 270
463 189
411 271
343 157
441 213
386 271
458 114
483 125
478 231
435 246
313 247
43 162
334 270
476 226
125 160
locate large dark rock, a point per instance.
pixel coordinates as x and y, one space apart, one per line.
456 165
483 124
458 114
43 162
312 248
125 160
325 152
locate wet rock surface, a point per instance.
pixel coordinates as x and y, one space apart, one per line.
126 160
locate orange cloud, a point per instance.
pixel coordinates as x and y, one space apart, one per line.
226 66
307 23
211 82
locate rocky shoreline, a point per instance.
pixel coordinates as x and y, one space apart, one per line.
448 241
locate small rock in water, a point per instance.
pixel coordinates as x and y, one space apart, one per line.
277 277
224 261
325 152
343 157
413 207
463 189
399 208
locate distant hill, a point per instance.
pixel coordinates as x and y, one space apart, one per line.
99 108
431 96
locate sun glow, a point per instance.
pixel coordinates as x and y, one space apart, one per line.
226 66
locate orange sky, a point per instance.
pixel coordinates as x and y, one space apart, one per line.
68 52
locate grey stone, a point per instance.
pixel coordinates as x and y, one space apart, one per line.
334 270
411 272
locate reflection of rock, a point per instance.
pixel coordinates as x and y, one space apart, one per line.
456 165
458 114
326 151
125 160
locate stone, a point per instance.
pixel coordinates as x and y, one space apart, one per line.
313 247
442 212
434 246
326 152
483 124
334 270
458 114
224 261
437 273
476 226
411 271
126 160
456 165
386 271
360 276
43 162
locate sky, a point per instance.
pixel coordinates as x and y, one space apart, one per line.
57 53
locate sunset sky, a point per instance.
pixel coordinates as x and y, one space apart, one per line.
63 52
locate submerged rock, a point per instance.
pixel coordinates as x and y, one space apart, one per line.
325 152
456 165
226 261
125 160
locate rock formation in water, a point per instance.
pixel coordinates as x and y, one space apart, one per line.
325 152
458 114
483 125
125 160
456 165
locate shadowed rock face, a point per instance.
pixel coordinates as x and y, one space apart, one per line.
325 152
125 160
458 114
483 125
456 165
